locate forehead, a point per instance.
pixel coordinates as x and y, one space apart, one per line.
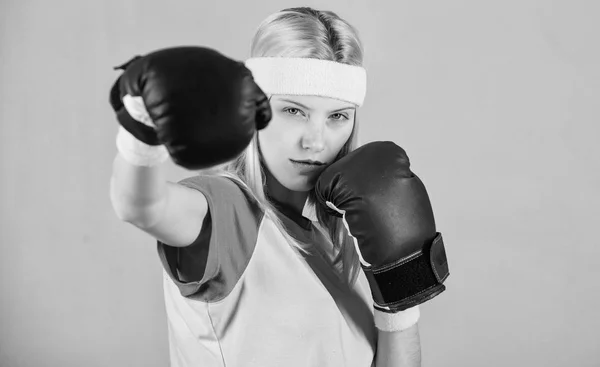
313 102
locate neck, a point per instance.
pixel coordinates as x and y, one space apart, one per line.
291 200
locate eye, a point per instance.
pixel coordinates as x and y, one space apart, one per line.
291 111
341 118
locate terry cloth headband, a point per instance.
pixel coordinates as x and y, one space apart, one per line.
304 76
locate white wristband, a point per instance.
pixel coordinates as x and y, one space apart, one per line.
139 153
397 321
133 150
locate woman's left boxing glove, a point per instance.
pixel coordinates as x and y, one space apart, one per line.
387 210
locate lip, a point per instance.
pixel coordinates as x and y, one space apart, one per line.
307 166
308 161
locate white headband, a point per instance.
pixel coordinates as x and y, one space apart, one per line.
304 76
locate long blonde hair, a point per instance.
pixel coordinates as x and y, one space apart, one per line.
303 32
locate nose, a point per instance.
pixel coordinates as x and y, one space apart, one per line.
313 138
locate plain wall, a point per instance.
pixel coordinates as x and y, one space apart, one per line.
497 104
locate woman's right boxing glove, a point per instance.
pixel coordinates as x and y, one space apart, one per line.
203 107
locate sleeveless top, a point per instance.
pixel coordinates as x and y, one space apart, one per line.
240 295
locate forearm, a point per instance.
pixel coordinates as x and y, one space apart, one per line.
399 348
136 191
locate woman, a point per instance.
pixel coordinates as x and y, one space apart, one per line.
256 274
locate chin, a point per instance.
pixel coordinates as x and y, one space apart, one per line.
300 185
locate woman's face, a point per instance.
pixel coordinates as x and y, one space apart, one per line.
304 128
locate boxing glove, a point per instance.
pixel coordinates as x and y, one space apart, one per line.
202 106
387 211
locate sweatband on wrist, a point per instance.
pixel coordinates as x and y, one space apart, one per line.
397 321
132 149
306 76
139 153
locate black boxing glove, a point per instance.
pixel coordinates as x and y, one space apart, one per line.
202 106
387 210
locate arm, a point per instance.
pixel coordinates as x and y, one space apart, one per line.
399 348
170 212
386 208
191 125
136 191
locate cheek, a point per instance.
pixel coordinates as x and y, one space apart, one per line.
273 142
340 137
272 131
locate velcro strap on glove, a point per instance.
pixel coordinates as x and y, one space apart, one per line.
409 281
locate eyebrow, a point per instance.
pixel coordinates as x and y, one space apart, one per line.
303 106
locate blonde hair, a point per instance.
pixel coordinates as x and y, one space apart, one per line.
303 32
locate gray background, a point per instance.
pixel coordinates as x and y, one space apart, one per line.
496 102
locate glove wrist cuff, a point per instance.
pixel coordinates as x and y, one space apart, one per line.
139 153
410 280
